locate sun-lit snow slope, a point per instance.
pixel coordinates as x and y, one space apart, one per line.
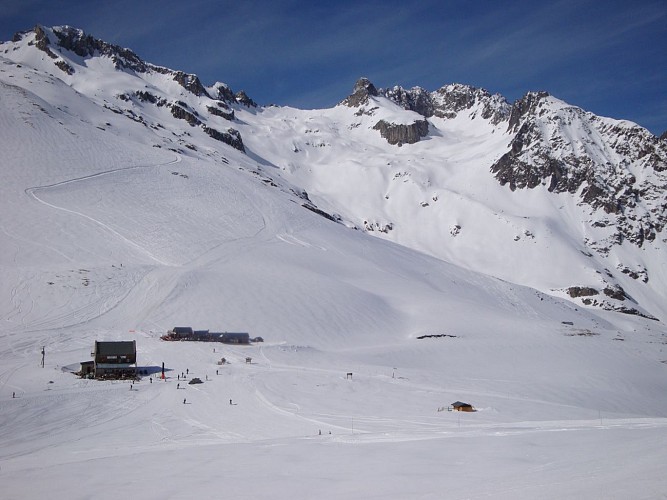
438 196
94 202
117 230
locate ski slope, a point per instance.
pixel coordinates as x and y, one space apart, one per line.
106 236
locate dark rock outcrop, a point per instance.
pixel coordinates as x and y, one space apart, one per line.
181 113
399 134
524 107
450 100
190 83
231 137
581 291
223 93
64 67
363 89
565 149
83 45
42 42
242 98
222 111
416 99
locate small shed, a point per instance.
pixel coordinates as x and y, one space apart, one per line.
115 359
460 406
87 368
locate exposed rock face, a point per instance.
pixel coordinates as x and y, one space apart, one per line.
178 111
65 67
614 167
617 169
399 134
222 111
450 100
83 45
191 83
75 40
362 90
53 41
42 41
223 93
416 99
231 137
581 291
446 102
242 98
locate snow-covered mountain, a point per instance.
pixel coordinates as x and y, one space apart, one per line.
439 245
537 192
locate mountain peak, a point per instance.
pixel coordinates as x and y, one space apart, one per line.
363 89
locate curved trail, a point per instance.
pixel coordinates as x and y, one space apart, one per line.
31 191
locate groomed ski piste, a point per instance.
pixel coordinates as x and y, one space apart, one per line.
105 237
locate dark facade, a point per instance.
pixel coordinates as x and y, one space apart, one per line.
234 338
183 333
115 359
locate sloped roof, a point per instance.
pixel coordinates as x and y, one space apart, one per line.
182 329
116 348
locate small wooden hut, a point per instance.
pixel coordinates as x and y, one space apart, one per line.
460 406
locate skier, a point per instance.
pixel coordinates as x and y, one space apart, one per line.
183 400
178 386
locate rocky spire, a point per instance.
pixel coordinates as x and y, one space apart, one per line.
363 89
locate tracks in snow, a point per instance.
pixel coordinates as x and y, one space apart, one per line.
32 191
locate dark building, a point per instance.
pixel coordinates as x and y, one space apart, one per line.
460 406
115 359
182 330
234 338
187 333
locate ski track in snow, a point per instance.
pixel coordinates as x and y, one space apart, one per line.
561 413
32 191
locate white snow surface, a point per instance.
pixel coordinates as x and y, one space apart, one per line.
114 230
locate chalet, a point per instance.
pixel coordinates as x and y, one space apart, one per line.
182 331
459 406
235 338
185 333
115 359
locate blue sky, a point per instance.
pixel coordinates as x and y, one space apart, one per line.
608 57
